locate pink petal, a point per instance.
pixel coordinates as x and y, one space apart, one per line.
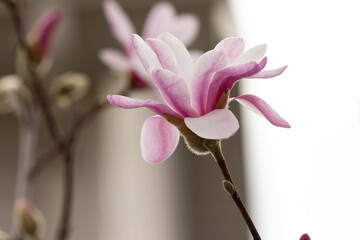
232 47
260 107
227 78
252 55
269 73
146 55
174 91
158 140
305 237
130 103
164 54
185 27
139 70
162 18
114 59
204 69
44 29
218 124
185 62
120 24
157 20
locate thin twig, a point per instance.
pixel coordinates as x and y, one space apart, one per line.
53 152
214 147
41 97
42 162
64 228
16 10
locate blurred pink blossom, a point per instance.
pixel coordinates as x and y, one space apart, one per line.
195 92
162 17
40 36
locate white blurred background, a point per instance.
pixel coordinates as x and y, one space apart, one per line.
304 179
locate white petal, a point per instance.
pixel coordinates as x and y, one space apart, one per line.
252 55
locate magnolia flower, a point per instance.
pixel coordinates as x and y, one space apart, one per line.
162 17
196 94
40 36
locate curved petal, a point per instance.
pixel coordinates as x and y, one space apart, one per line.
181 53
217 124
260 107
269 73
162 18
114 60
204 69
185 27
130 103
164 54
158 140
157 20
227 78
174 91
232 46
120 24
146 55
142 77
252 55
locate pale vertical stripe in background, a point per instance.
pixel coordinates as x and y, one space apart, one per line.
305 179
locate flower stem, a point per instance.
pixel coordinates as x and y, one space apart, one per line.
64 227
28 138
27 153
214 147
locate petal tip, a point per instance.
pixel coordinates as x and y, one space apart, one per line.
110 100
285 124
134 37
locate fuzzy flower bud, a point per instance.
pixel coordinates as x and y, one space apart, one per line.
30 220
11 88
40 36
69 88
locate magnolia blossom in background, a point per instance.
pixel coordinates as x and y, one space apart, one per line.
162 17
196 94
